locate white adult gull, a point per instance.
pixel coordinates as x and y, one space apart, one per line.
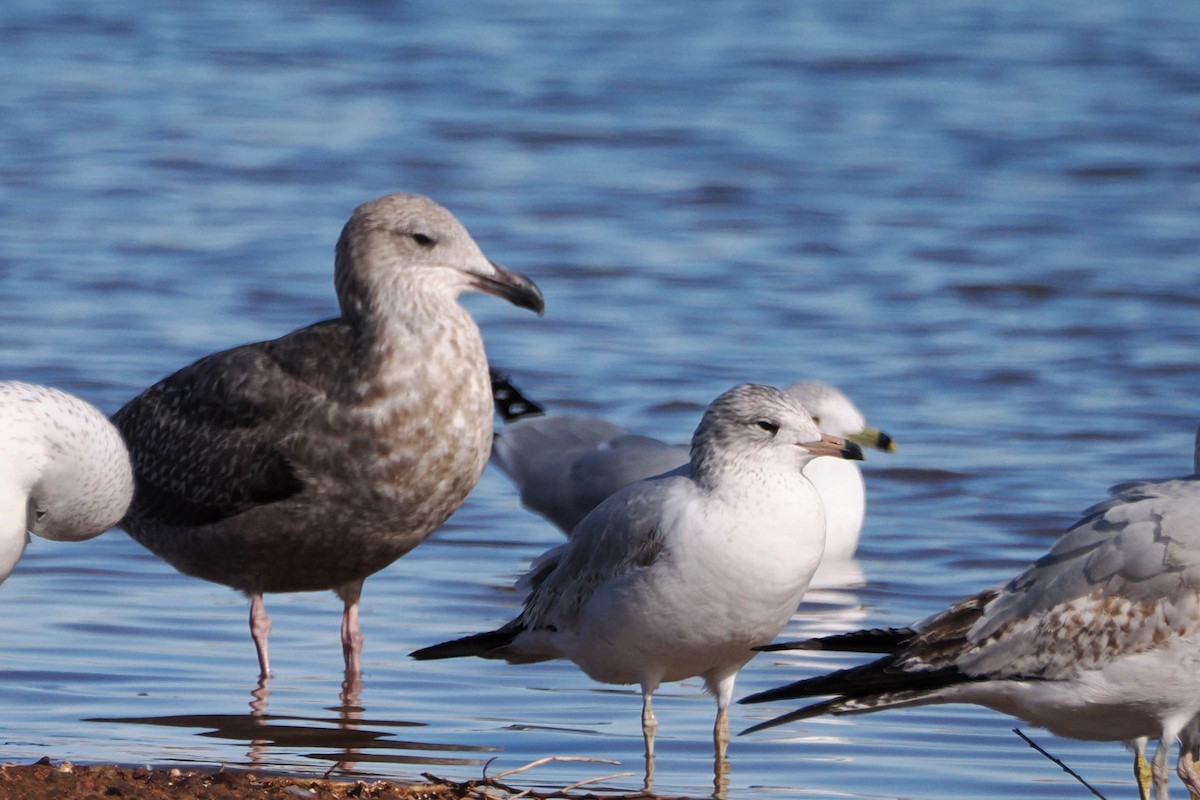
564 465
64 472
1099 639
680 575
314 460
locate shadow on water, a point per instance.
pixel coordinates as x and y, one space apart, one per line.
344 739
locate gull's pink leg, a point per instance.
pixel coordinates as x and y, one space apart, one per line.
352 638
260 631
1188 771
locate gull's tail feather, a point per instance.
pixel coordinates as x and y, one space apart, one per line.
510 403
874 640
484 645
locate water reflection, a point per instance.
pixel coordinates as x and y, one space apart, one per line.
722 769
342 740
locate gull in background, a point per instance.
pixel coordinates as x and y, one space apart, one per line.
564 465
1099 639
682 574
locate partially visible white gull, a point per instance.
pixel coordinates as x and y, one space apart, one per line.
564 465
680 575
64 471
314 460
1099 639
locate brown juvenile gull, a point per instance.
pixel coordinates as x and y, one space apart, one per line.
680 575
565 464
1099 639
314 460
64 472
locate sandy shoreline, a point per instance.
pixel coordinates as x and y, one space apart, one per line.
46 780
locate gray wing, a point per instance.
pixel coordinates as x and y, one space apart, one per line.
626 459
564 465
210 441
1120 581
622 535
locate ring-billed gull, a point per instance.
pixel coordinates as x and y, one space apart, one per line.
564 465
680 575
1098 639
314 460
64 472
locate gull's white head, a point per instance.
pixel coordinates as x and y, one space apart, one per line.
835 413
761 422
64 470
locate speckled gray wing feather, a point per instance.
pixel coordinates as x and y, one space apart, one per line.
1133 545
1126 575
210 441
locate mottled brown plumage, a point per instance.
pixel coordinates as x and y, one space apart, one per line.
314 460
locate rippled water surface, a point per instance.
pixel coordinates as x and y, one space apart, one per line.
979 219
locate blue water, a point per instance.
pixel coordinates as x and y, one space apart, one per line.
979 219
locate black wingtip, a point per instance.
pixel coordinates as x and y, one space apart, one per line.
833 705
805 644
871 640
478 644
510 403
792 716
789 692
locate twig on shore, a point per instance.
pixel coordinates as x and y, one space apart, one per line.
539 762
487 785
566 790
577 784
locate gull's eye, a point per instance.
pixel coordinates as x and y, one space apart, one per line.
424 240
769 427
816 420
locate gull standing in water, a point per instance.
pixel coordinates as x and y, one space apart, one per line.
311 461
564 465
64 471
680 575
1099 639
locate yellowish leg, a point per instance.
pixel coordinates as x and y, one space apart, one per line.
721 734
723 691
1141 769
720 759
